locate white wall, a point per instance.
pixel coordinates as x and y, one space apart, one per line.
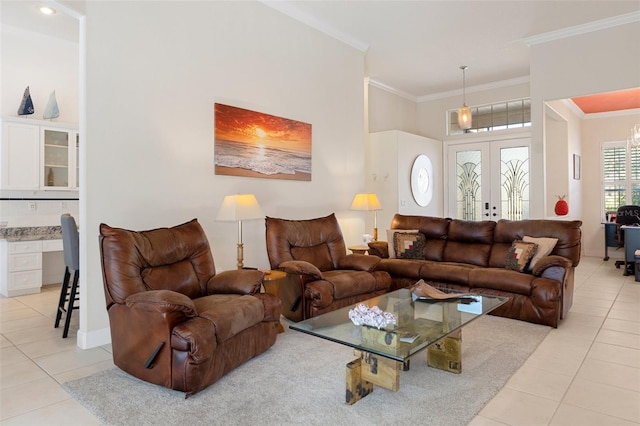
563 141
390 157
151 85
44 64
596 62
389 111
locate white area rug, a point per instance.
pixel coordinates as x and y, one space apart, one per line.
301 380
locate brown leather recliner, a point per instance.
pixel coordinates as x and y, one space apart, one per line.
174 321
328 278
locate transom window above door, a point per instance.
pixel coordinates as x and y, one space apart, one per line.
497 116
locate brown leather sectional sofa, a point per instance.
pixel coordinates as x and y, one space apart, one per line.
472 257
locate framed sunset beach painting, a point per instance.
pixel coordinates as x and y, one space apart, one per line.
254 144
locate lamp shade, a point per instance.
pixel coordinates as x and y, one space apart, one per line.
464 117
239 207
367 201
464 112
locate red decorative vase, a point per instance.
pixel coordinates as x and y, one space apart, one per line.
562 208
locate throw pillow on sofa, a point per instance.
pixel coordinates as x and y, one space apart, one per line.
520 254
409 245
391 238
545 246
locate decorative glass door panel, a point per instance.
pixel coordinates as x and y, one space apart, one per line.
491 180
468 184
514 183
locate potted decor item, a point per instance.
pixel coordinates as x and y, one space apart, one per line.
562 208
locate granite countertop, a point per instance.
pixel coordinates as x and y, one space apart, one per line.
31 233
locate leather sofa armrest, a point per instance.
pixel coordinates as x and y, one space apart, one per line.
550 261
358 262
379 248
236 281
300 267
162 302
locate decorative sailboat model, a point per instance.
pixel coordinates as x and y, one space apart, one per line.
51 111
26 106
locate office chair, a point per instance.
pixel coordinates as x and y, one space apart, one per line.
627 215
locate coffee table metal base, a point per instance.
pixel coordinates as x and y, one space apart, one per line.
369 369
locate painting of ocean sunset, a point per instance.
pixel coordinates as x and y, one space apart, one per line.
253 144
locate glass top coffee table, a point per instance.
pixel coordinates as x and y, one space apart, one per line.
434 325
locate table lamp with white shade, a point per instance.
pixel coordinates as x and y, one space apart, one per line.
236 208
368 202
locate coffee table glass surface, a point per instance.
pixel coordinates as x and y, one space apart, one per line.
419 325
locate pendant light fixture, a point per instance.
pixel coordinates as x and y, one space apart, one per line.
464 112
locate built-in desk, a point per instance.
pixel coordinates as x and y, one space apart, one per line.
21 255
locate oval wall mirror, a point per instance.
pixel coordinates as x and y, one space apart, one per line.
421 180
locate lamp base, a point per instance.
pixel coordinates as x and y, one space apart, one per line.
240 255
375 234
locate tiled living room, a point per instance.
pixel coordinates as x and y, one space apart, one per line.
374 86
585 372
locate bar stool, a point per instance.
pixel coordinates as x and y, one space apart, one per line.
71 249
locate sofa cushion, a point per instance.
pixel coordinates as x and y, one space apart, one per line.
469 242
457 273
180 274
317 255
409 268
391 237
545 247
408 245
230 313
353 283
501 279
520 254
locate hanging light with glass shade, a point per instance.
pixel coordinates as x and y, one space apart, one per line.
464 112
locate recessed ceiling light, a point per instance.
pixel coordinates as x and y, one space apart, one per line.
47 10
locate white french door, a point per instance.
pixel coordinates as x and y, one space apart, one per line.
489 180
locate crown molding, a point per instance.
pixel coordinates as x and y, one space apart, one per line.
583 28
297 14
575 109
451 93
474 89
392 90
621 113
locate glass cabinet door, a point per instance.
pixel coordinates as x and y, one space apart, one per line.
56 158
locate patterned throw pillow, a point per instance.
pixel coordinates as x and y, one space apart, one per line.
520 254
409 245
391 239
545 247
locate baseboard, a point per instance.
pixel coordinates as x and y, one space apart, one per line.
93 339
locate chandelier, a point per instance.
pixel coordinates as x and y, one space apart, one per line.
634 135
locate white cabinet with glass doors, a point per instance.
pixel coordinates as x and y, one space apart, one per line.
59 158
38 154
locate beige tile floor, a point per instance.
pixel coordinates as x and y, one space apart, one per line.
585 372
